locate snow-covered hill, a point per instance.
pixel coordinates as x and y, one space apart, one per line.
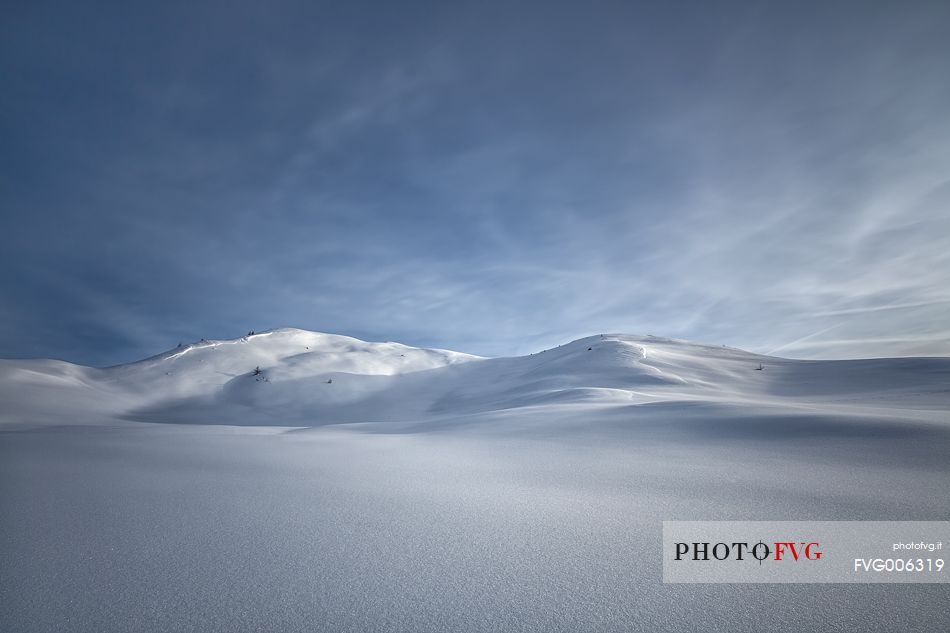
313 379
373 486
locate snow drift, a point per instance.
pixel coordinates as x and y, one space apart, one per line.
353 486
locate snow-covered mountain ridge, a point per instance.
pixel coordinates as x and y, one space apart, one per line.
291 377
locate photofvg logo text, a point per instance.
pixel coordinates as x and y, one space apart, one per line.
804 551
742 550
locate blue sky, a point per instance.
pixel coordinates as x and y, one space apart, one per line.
488 177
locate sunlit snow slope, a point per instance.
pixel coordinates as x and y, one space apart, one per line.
353 486
312 379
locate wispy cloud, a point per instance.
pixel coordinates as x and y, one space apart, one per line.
774 179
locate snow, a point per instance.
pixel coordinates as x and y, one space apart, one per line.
310 379
428 490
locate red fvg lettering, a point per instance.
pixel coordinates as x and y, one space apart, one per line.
800 548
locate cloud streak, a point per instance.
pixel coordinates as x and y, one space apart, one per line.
462 178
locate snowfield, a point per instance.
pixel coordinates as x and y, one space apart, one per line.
355 486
